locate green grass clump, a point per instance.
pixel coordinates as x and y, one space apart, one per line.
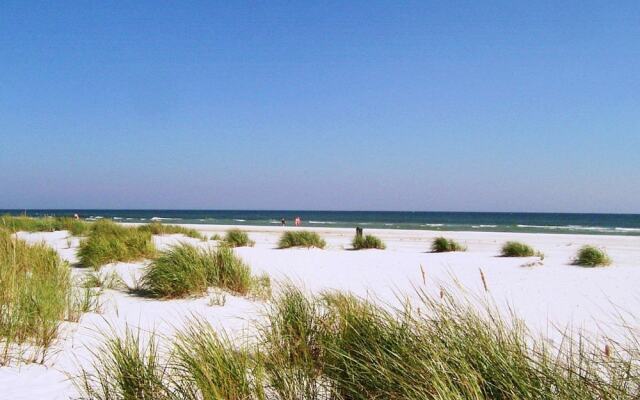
338 346
109 242
291 343
517 249
157 228
181 271
301 239
126 368
590 256
208 366
444 245
360 242
44 224
186 270
237 238
34 294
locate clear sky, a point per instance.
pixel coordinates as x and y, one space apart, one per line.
469 106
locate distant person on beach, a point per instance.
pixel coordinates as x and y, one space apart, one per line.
76 216
298 221
283 222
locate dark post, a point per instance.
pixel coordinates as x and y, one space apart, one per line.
359 231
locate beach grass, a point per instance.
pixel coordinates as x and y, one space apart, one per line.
207 365
339 346
44 224
35 290
444 245
158 228
186 270
129 367
109 242
291 344
238 238
301 239
591 256
183 270
517 249
361 242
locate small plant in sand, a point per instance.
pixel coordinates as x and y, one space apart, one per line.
216 237
361 242
158 228
109 242
519 249
238 238
83 300
443 245
34 295
186 270
301 239
97 279
590 256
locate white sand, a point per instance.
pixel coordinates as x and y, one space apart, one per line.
555 293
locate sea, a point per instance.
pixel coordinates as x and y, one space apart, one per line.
593 224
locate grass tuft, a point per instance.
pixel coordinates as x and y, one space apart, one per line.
157 228
238 238
109 242
444 245
34 294
186 270
518 249
590 256
44 224
125 368
301 239
360 242
208 366
338 346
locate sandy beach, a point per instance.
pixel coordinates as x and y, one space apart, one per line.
547 295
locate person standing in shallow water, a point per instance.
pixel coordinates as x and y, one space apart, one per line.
298 221
283 222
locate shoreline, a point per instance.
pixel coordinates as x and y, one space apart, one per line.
221 228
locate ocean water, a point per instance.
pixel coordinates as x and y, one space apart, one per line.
603 224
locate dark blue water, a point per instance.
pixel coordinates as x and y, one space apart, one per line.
616 224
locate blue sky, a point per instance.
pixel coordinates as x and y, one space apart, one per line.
469 106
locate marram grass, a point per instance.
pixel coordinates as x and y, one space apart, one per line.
361 242
43 224
157 228
108 242
238 238
34 295
443 245
186 270
338 346
590 256
301 239
518 249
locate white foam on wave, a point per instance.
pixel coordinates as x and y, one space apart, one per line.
571 227
323 222
627 229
